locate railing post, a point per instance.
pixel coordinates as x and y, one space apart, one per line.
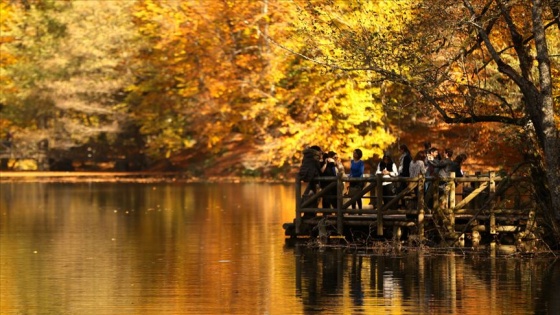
435 192
298 204
379 202
477 204
420 206
452 190
451 187
492 192
339 200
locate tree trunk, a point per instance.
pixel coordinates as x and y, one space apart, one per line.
548 135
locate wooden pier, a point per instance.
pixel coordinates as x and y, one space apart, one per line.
462 211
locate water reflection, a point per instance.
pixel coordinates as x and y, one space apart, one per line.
330 280
94 248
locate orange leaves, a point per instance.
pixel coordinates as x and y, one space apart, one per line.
215 64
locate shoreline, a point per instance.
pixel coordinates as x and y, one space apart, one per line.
126 177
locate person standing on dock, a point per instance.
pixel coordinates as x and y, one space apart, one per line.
418 167
389 169
339 165
404 166
444 166
404 160
457 165
310 168
356 171
431 156
443 169
328 169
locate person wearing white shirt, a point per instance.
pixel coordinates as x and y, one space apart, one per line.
389 169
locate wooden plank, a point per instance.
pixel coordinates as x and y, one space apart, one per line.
420 206
339 199
471 196
491 196
379 200
298 205
361 194
399 196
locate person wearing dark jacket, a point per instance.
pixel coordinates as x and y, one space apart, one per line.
404 161
456 167
310 168
404 166
444 166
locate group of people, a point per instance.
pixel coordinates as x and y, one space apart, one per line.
317 163
428 163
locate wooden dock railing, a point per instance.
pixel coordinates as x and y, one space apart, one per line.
480 203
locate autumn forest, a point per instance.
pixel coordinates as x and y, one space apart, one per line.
246 84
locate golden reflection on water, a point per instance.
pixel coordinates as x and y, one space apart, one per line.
144 249
219 249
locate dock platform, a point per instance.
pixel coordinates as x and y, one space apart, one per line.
455 211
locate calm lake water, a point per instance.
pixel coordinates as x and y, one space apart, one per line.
110 248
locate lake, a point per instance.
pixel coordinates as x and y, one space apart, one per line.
219 248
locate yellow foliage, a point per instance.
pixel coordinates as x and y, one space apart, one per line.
6 58
281 75
332 109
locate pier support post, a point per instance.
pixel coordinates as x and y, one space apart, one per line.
339 201
379 202
298 204
420 206
477 201
450 193
491 195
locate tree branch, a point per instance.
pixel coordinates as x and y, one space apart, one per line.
517 40
502 66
